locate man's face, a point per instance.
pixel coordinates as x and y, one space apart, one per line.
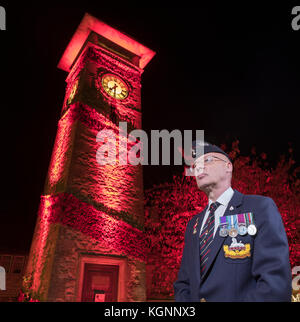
212 169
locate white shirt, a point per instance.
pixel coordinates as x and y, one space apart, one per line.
224 201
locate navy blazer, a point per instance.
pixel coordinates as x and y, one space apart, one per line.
264 276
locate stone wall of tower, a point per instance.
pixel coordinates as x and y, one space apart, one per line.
72 244
118 187
89 209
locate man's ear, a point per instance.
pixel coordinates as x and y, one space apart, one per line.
229 167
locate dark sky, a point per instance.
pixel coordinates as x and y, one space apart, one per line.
233 71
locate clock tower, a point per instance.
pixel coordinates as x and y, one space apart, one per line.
88 243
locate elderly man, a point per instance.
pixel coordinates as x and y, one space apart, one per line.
236 249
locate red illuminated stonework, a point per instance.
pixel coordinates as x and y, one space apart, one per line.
90 221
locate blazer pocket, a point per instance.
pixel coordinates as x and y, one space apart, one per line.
237 260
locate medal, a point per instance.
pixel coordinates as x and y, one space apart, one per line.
223 230
232 231
242 229
252 230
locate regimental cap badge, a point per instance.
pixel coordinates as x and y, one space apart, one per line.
193 153
200 147
198 144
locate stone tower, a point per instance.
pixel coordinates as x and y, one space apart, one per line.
88 243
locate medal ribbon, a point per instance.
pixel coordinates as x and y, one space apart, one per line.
222 221
235 221
241 219
228 221
249 215
232 222
247 220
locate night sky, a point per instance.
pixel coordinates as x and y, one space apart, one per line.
233 71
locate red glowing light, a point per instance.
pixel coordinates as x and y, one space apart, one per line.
113 185
90 23
59 155
45 211
111 233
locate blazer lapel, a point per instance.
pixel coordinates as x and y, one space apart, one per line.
218 241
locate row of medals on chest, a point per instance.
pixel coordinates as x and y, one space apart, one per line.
233 229
240 224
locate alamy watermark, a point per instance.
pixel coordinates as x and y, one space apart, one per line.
296 20
296 279
2 279
2 18
132 148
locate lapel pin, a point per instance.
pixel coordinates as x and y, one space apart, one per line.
231 208
195 226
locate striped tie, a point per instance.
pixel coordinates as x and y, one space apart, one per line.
207 236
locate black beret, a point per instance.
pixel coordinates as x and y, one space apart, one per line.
207 148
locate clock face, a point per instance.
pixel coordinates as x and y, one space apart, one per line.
73 92
114 86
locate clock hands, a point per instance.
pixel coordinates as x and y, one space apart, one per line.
114 88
